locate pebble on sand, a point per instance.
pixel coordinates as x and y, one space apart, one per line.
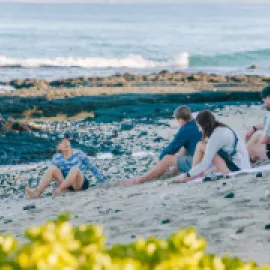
229 195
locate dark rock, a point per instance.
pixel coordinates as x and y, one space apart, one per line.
254 67
165 221
224 184
267 226
229 195
117 211
126 127
143 133
28 207
259 174
133 236
6 221
158 139
117 150
240 230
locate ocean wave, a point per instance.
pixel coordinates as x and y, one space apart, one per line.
131 61
182 60
239 59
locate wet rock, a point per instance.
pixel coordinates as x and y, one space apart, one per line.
158 139
165 221
126 127
117 150
229 195
29 207
240 230
254 67
6 221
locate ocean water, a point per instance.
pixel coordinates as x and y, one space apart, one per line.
59 41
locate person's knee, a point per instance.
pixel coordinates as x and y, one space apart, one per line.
169 159
255 140
53 169
75 169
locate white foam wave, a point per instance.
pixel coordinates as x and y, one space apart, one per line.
131 61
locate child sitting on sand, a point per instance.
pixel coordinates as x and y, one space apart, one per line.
68 169
186 139
220 147
259 145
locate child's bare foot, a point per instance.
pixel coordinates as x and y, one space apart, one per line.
129 182
33 194
56 192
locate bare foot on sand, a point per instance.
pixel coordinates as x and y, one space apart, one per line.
182 178
56 192
129 182
32 193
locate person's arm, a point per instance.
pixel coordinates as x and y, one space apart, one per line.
56 160
92 167
215 143
266 132
251 132
179 140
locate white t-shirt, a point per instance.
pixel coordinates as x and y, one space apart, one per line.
266 125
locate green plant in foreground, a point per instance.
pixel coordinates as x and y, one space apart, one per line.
58 245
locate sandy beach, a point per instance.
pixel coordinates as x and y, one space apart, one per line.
231 226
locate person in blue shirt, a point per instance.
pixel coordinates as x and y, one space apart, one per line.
69 169
179 153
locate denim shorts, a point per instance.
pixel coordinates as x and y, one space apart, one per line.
184 163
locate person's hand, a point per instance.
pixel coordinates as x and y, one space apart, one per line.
181 179
249 134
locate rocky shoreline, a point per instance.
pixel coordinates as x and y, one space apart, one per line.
163 78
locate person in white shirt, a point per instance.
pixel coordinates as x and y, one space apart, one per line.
259 145
220 147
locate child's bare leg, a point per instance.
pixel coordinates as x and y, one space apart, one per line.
52 173
74 179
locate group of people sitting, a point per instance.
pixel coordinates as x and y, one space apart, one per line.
201 145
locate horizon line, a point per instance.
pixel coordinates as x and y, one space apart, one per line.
185 2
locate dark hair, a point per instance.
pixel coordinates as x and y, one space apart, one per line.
266 92
208 123
183 112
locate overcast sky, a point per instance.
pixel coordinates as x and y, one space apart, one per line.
144 1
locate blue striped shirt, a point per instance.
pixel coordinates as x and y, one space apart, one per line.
78 159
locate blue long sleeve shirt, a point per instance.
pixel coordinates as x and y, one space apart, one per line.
187 136
78 159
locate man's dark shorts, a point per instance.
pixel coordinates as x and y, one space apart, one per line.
85 184
184 163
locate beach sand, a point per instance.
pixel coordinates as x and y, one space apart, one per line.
159 209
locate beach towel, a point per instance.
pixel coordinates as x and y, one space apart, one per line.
263 168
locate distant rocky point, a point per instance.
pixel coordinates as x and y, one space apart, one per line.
163 78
